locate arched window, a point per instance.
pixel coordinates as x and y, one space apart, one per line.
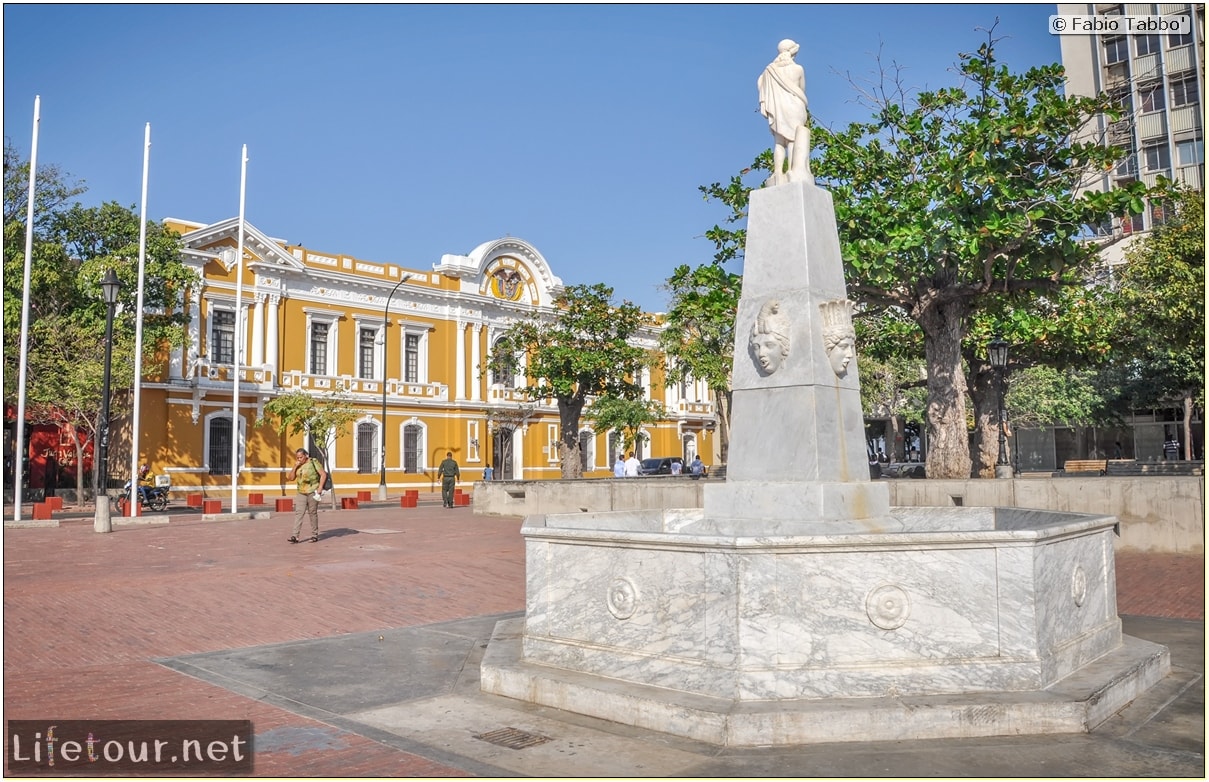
220 446
413 448
614 448
503 373
367 447
587 453
217 445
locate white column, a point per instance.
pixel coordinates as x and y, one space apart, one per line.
459 391
193 353
476 380
271 336
258 332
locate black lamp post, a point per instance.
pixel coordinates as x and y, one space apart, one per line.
997 353
385 323
110 286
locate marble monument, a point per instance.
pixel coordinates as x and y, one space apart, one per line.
796 605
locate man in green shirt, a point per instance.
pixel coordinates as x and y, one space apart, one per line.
310 477
449 473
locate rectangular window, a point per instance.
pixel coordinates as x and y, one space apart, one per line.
1128 167
1156 158
472 438
367 341
1179 39
1152 97
1158 212
1183 92
411 358
1190 153
319 348
1146 44
1116 50
222 336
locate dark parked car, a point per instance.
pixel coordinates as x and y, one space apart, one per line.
659 465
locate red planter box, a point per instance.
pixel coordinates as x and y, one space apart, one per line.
285 504
412 493
55 503
461 499
132 510
211 506
409 501
256 498
364 496
41 511
348 503
194 500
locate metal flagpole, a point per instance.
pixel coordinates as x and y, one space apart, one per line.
240 335
19 449
138 333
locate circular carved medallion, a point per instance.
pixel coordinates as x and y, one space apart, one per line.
622 598
1078 585
888 606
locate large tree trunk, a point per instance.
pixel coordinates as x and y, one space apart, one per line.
568 422
984 391
943 325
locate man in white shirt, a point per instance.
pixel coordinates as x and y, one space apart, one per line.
619 466
631 466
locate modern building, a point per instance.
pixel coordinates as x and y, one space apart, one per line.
1160 80
407 347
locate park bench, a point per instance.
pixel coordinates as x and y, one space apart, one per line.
1085 466
1130 467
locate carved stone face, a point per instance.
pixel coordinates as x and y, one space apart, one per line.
770 351
841 355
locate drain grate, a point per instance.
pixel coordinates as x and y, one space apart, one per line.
512 738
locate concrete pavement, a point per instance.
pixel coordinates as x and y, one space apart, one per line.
358 655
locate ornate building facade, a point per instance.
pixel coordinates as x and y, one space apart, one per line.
407 348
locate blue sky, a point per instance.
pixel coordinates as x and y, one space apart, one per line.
398 133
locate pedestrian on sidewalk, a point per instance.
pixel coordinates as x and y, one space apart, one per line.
310 477
449 473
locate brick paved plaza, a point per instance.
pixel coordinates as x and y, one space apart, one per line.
87 616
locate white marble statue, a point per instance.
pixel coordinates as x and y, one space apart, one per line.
770 337
783 101
839 337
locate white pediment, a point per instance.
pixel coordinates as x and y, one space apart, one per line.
267 249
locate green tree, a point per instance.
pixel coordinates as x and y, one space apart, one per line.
699 334
322 419
1043 396
73 247
1162 289
583 349
625 416
1073 330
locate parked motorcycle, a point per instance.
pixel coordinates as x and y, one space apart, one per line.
154 497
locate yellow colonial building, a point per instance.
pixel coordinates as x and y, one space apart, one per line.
407 347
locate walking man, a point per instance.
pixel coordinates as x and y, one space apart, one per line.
310 477
450 474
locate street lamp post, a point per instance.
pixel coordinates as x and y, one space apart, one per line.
385 323
997 353
101 522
